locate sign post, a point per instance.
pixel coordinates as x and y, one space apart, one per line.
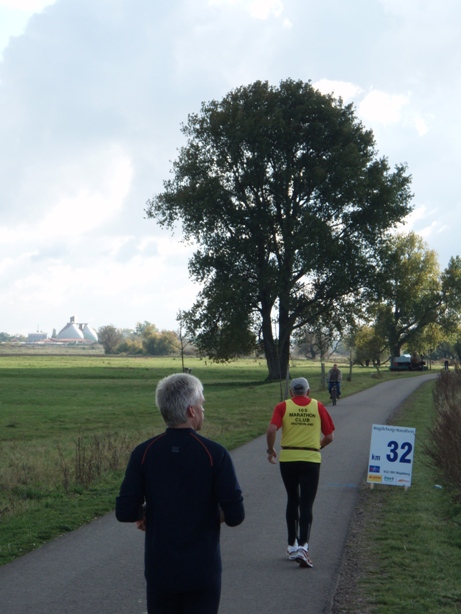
391 455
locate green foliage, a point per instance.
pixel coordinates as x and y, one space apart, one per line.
369 346
316 339
5 338
413 294
109 337
457 344
160 344
130 346
145 328
283 192
226 338
448 345
145 339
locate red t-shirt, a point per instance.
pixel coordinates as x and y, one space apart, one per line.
302 428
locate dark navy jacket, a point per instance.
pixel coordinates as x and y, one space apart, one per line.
184 479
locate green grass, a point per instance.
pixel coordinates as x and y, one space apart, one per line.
67 424
410 550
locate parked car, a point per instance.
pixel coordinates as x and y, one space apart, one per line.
406 362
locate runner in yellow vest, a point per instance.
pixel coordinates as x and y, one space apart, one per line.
307 427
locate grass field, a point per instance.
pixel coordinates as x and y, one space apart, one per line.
406 554
67 424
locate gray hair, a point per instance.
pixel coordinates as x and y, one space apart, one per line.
175 394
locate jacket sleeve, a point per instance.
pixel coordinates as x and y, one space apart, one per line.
128 505
228 492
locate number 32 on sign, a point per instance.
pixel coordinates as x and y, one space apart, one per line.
391 455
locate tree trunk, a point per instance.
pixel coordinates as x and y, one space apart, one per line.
396 349
351 363
277 356
277 359
323 376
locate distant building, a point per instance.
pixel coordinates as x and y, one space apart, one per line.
36 337
79 332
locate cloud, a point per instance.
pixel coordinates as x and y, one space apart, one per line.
426 221
382 107
419 213
91 103
431 229
259 9
90 281
377 107
386 109
346 90
91 206
32 6
263 9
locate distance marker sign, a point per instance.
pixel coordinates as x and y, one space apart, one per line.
391 455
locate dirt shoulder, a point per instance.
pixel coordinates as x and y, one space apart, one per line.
357 561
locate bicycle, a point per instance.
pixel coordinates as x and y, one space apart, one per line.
334 393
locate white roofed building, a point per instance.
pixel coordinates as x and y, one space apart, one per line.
36 337
79 332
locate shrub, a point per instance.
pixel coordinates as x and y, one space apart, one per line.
444 445
130 346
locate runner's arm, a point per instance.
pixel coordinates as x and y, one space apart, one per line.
326 440
327 426
270 437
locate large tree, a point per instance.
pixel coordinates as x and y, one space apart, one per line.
283 193
413 293
109 337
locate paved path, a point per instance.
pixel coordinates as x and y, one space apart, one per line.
99 568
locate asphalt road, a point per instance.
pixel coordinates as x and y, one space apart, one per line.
99 568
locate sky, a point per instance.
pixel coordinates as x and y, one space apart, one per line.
92 97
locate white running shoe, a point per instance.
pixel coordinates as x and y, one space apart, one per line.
302 557
292 551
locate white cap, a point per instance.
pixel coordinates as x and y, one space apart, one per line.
299 385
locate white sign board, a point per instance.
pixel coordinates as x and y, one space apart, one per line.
391 455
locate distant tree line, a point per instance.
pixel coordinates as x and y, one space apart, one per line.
413 308
5 338
145 339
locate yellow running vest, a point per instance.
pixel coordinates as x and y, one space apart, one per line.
301 428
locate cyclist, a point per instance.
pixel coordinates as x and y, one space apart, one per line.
334 377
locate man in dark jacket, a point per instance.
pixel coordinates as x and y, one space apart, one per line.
179 487
334 379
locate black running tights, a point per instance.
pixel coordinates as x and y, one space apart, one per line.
301 480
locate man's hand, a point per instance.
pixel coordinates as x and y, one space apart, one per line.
271 456
141 524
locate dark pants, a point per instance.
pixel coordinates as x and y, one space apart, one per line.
301 480
201 601
338 387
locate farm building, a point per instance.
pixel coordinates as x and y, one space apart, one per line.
79 332
36 337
